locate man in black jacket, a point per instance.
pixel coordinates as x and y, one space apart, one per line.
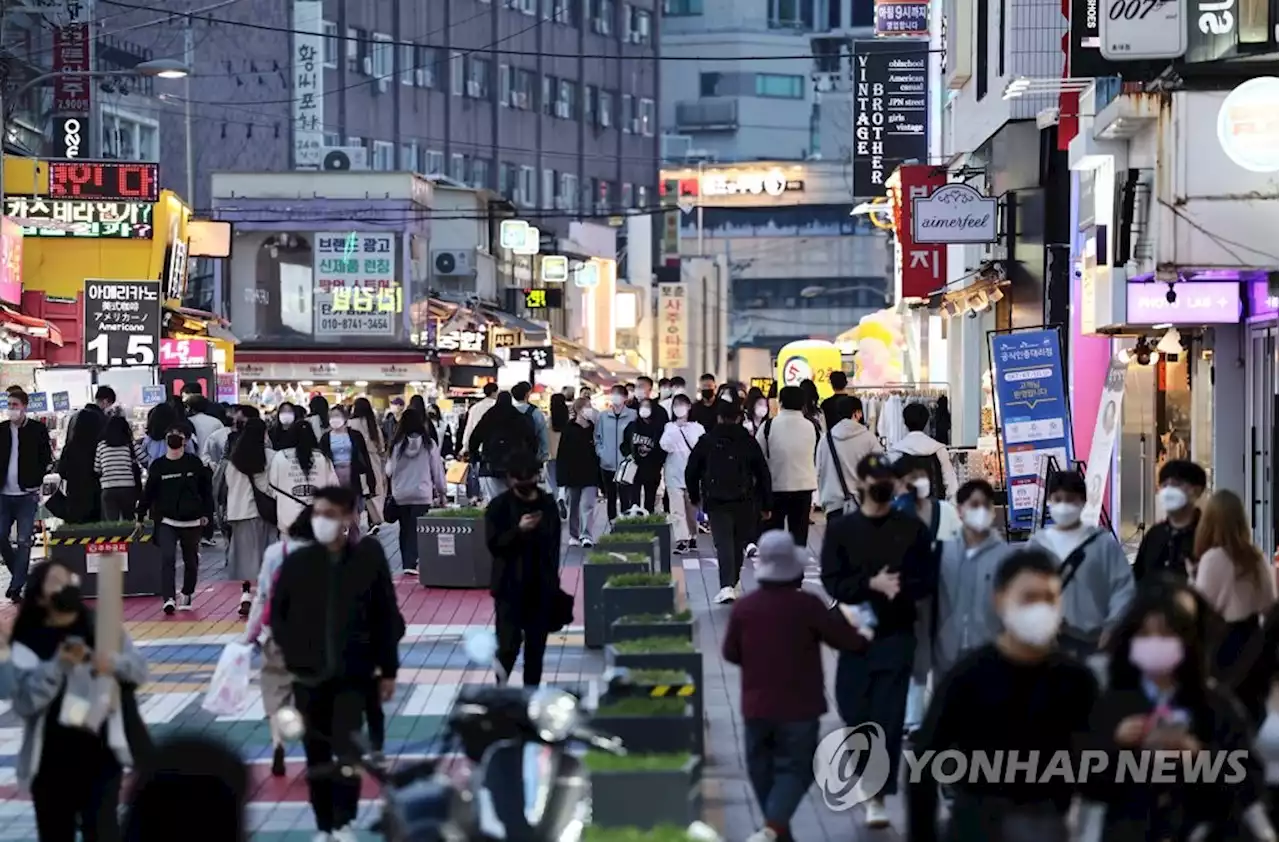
1169 546
522 529
727 476
25 457
178 496
335 618
881 561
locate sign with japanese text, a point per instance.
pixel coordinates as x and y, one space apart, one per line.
121 322
355 284
11 262
891 110
902 17
308 83
538 357
1031 407
184 353
92 220
673 326
923 266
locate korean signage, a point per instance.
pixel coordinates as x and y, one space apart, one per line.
1249 125
356 269
1195 303
772 182
184 353
899 17
1101 449
92 220
308 83
503 338
10 262
953 213
1135 30
121 322
1032 410
538 357
105 181
891 110
923 266
176 264
1264 300
463 341
673 326
72 87
69 138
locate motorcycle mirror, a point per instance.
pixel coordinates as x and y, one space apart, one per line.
481 646
289 724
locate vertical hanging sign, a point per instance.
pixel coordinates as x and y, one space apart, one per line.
72 87
673 327
308 83
923 265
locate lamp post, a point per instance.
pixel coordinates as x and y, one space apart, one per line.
817 291
160 68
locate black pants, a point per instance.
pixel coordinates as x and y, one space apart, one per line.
513 632
610 489
408 524
733 526
169 539
376 715
119 503
780 765
639 494
78 795
871 686
791 512
333 712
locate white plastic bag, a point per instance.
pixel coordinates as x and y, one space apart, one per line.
229 691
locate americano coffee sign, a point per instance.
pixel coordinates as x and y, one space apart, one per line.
953 213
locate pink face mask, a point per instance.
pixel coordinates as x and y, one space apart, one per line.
1156 655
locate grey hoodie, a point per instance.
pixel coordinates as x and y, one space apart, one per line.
416 472
610 426
967 615
852 442
1102 588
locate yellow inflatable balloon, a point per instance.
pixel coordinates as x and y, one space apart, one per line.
873 330
809 359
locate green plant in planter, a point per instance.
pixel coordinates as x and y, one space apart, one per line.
107 527
651 678
644 706
641 520
460 513
639 580
667 833
685 616
617 558
603 761
623 538
653 646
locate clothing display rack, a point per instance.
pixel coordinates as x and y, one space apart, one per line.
882 406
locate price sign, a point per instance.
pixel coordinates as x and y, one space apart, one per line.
152 395
121 322
38 402
184 353
61 401
105 181
537 356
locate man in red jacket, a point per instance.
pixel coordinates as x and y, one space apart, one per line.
775 636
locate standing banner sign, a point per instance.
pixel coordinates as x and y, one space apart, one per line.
1105 432
121 322
1031 406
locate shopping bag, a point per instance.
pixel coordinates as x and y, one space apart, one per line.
229 691
456 473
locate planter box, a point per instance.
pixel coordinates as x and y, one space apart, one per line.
623 601
142 570
687 662
662 531
452 553
593 578
642 544
651 734
646 798
619 630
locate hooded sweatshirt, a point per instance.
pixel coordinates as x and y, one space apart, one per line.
678 440
852 441
473 417
789 441
416 471
1102 587
967 617
539 426
611 427
919 444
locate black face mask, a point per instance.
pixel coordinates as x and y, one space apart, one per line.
881 492
527 490
67 600
238 425
175 441
708 394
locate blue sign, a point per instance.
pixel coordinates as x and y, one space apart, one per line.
1031 404
38 402
61 401
152 395
902 18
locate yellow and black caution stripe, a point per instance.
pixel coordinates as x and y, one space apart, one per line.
55 541
659 691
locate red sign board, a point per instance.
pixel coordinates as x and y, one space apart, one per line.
924 266
109 547
71 55
184 353
105 181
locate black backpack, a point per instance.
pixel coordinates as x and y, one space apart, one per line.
728 475
514 435
937 488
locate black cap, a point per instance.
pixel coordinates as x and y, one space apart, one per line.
876 466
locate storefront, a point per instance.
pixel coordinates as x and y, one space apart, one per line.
1262 411
267 378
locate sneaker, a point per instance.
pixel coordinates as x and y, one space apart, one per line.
13 595
737 590
692 545
725 595
679 548
170 606
373 530
208 542
410 571
184 602
752 551
704 529
764 834
323 836
574 542
344 834
587 543
278 769
246 601
877 816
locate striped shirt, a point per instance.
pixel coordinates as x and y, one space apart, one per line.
115 466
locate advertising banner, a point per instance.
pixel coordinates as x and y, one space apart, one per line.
73 94
308 83
953 213
539 357
92 220
1134 30
673 326
923 265
1194 303
185 353
356 290
11 262
1105 432
891 110
902 17
121 322
174 379
1031 406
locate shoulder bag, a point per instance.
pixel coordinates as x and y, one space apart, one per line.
850 502
1082 644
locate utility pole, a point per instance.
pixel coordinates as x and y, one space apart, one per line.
188 60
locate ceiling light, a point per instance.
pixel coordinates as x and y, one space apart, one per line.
1170 343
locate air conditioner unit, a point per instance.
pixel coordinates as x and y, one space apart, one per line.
634 37
384 84
420 77
452 262
367 65
605 119
343 158
473 89
521 99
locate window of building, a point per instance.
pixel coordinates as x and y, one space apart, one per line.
458 167
603 189
507 180
628 115
357 49
480 173
548 197
384 56
526 187
408 62
982 50
457 73
562 12
548 102
433 163
330 44
590 97
648 117
778 86
602 13
409 156
604 109
506 84
384 156
639 25
642 197
525 84
1000 45
568 198
628 195
791 14
681 8
479 76
709 84
424 76
567 99
129 137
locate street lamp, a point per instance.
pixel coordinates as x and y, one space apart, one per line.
816 291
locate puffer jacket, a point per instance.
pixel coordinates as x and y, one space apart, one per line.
852 441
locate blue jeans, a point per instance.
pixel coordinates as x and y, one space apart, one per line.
19 509
780 765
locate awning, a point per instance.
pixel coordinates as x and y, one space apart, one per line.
202 321
571 350
617 369
533 332
29 325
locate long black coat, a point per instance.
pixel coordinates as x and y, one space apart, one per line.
577 465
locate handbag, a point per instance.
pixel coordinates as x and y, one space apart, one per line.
390 510
561 614
626 473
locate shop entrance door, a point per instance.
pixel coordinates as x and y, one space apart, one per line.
1264 470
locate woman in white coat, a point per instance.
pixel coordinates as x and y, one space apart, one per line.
678 438
295 474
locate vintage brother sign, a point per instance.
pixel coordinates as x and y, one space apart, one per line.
954 213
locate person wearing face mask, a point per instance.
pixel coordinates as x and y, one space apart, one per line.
917 442
678 439
295 472
391 419
522 530
643 390
520 400
578 471
678 387
205 416
756 413
704 406
26 455
416 472
250 511
1014 694
1169 546
790 445
335 618
1097 581
611 429
72 769
178 497
216 447
279 431
664 388
845 445
348 451
642 443
881 560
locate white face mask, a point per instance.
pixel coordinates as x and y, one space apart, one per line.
645 412
1065 515
1172 498
337 422
922 487
642 394
761 410
15 415
677 390
1035 625
617 400
727 397
978 518
681 411
664 392
326 529
286 418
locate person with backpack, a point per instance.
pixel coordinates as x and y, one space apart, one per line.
611 430
502 432
790 444
942 474
729 477
520 400
846 443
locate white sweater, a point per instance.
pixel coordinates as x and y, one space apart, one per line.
298 486
791 450
677 441
919 444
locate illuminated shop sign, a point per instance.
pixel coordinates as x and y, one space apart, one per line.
751 183
107 220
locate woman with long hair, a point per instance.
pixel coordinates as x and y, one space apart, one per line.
415 471
318 415
578 470
248 491
295 474
73 771
82 495
286 414
116 466
364 421
348 450
559 420
756 412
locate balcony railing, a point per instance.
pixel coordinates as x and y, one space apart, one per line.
707 115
